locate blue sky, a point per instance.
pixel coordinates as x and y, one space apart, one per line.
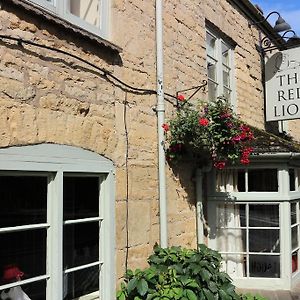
289 10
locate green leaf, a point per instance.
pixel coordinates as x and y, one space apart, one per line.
121 295
205 274
191 295
193 284
142 286
213 287
208 294
132 284
224 295
178 292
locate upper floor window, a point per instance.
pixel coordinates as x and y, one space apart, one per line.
219 67
91 15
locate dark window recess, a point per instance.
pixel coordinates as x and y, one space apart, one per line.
293 213
80 283
264 240
81 244
263 215
262 180
243 218
23 200
81 197
292 180
241 186
264 266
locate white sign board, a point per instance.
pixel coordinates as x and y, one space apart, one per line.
282 75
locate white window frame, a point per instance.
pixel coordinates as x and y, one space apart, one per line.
219 66
59 8
283 197
55 161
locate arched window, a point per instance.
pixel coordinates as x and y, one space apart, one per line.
56 223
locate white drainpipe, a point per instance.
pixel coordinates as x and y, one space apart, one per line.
160 121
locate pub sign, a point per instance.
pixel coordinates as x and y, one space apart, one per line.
282 78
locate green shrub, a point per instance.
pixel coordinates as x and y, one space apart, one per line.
179 274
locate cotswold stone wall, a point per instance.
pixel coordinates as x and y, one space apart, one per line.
46 97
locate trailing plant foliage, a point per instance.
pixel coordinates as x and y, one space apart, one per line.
179 274
214 129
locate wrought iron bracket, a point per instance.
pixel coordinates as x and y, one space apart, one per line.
196 89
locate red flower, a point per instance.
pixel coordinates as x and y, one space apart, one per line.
245 155
245 128
229 124
247 151
203 121
220 165
180 98
225 115
243 136
166 127
236 139
250 135
245 161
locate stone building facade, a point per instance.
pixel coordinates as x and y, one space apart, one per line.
48 97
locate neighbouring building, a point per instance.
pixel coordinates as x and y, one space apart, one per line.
78 138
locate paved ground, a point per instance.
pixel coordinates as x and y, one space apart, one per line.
276 294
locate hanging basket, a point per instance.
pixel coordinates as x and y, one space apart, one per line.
213 131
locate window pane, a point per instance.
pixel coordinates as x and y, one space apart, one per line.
226 77
294 262
35 291
225 54
212 91
234 264
211 70
263 240
80 283
23 200
264 266
298 177
230 215
262 180
241 186
210 45
243 217
81 244
295 237
263 215
25 250
81 197
226 180
292 179
87 10
227 93
231 240
293 213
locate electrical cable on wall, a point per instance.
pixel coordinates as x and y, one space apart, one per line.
103 72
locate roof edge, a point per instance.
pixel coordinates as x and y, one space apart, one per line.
255 15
